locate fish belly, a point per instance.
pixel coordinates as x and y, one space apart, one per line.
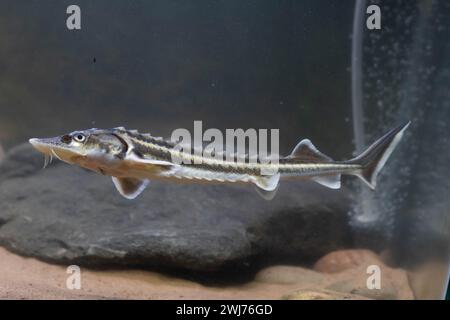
207 175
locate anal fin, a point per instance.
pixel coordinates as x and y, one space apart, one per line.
266 195
330 181
267 186
267 183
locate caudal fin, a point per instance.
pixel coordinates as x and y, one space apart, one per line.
373 159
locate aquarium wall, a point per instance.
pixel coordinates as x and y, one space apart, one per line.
403 69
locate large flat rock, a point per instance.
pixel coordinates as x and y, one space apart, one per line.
65 214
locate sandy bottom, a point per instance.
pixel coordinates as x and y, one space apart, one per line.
338 276
27 278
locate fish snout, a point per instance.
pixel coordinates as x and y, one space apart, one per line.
34 141
41 145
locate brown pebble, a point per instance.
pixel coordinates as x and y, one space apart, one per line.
342 260
289 275
321 294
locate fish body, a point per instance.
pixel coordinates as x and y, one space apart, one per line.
133 159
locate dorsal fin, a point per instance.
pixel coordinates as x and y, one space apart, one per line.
305 150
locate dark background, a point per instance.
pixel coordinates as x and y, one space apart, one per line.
160 65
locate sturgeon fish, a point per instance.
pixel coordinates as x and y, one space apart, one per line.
133 159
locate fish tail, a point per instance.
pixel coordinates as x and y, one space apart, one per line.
374 157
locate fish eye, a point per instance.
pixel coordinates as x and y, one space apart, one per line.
79 137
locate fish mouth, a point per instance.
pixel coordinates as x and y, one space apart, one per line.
48 146
51 147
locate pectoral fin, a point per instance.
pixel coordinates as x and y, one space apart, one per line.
130 188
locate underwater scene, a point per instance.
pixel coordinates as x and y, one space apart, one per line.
225 150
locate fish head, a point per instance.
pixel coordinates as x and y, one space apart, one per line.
93 149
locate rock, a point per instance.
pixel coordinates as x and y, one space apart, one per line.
321 295
341 260
343 275
348 271
357 286
289 275
64 214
